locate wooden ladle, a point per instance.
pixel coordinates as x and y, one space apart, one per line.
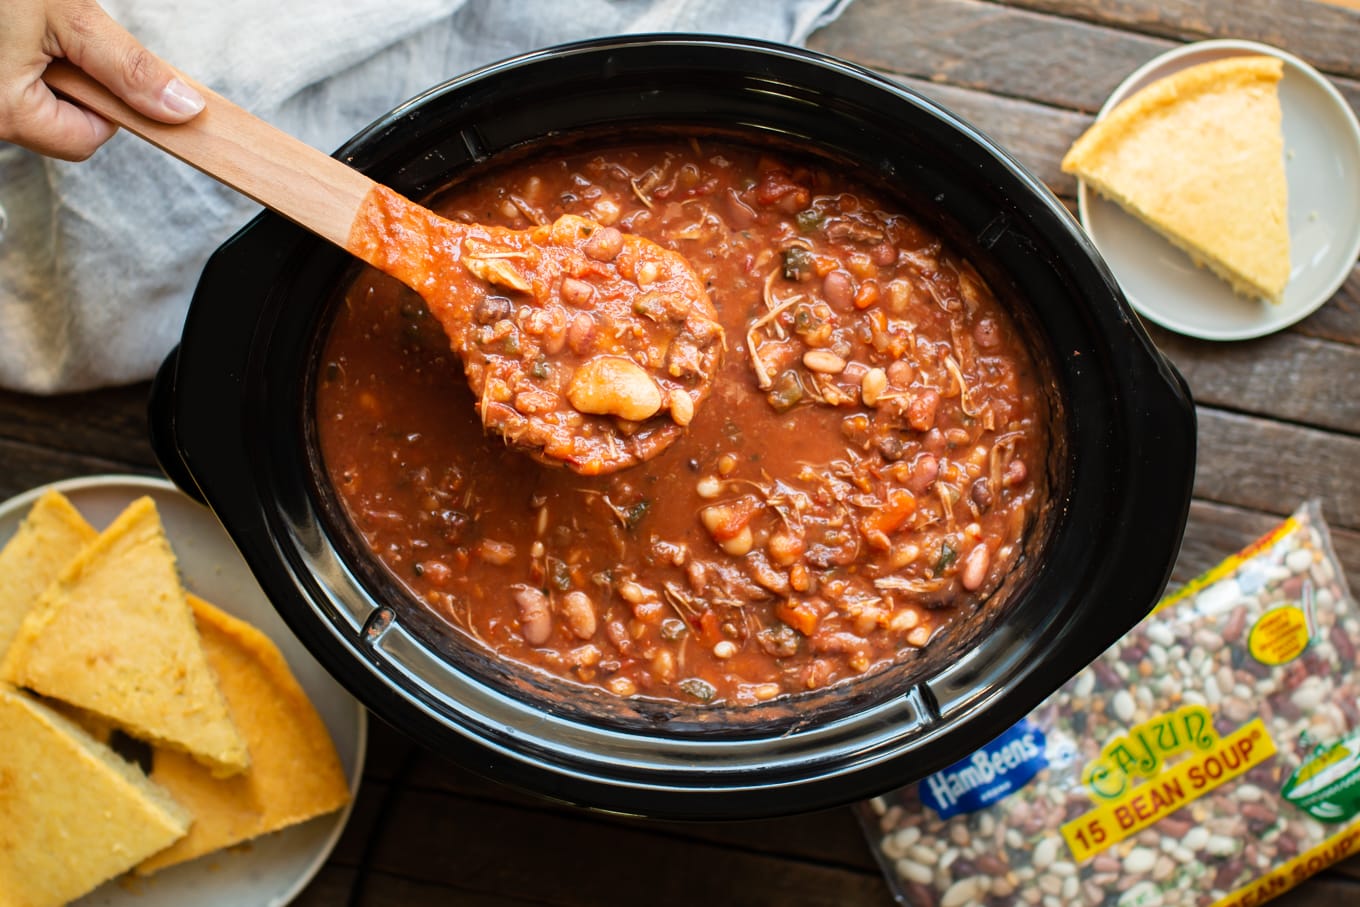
584 346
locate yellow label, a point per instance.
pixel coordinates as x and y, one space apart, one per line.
1141 752
1228 565
1309 863
1159 797
1279 636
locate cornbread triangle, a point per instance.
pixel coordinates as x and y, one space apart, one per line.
50 536
1199 157
294 771
72 813
114 635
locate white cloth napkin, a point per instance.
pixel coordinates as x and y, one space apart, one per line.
98 260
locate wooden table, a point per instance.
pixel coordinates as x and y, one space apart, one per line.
1279 422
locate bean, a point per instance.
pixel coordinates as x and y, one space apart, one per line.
824 361
987 334
577 292
708 487
496 552
975 567
614 386
921 409
490 309
681 406
740 544
900 373
579 612
635 593
872 386
839 290
924 470
605 211
580 333
604 244
785 548
535 617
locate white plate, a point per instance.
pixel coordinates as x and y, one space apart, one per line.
1322 167
272 870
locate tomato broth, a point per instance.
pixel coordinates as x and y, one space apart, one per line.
865 472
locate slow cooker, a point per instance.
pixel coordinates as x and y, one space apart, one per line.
231 410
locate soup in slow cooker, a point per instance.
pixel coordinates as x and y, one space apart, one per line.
864 474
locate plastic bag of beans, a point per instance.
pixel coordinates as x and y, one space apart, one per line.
1211 757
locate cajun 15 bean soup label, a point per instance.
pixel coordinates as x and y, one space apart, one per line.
1210 758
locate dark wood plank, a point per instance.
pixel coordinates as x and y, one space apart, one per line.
1258 464
362 824
108 424
380 889
330 887
389 751
987 46
1057 60
830 837
1339 319
27 466
1328 890
1284 376
1327 34
482 849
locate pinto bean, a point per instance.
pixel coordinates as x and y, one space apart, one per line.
577 292
975 565
535 617
838 288
579 612
900 373
924 470
604 244
580 332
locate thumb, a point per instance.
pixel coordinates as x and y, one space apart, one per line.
91 40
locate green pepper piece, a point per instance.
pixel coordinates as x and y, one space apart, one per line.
798 263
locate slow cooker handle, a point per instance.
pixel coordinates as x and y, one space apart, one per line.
160 421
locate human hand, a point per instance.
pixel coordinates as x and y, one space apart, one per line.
34 32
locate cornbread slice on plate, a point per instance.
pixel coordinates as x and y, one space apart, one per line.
1199 157
295 773
114 635
49 538
72 813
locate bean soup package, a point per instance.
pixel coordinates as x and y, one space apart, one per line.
1210 758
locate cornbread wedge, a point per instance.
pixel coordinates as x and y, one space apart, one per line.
72 813
1199 157
114 635
50 536
294 771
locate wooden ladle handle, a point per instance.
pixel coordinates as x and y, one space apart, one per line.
241 150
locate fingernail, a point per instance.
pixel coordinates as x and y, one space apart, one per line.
181 98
